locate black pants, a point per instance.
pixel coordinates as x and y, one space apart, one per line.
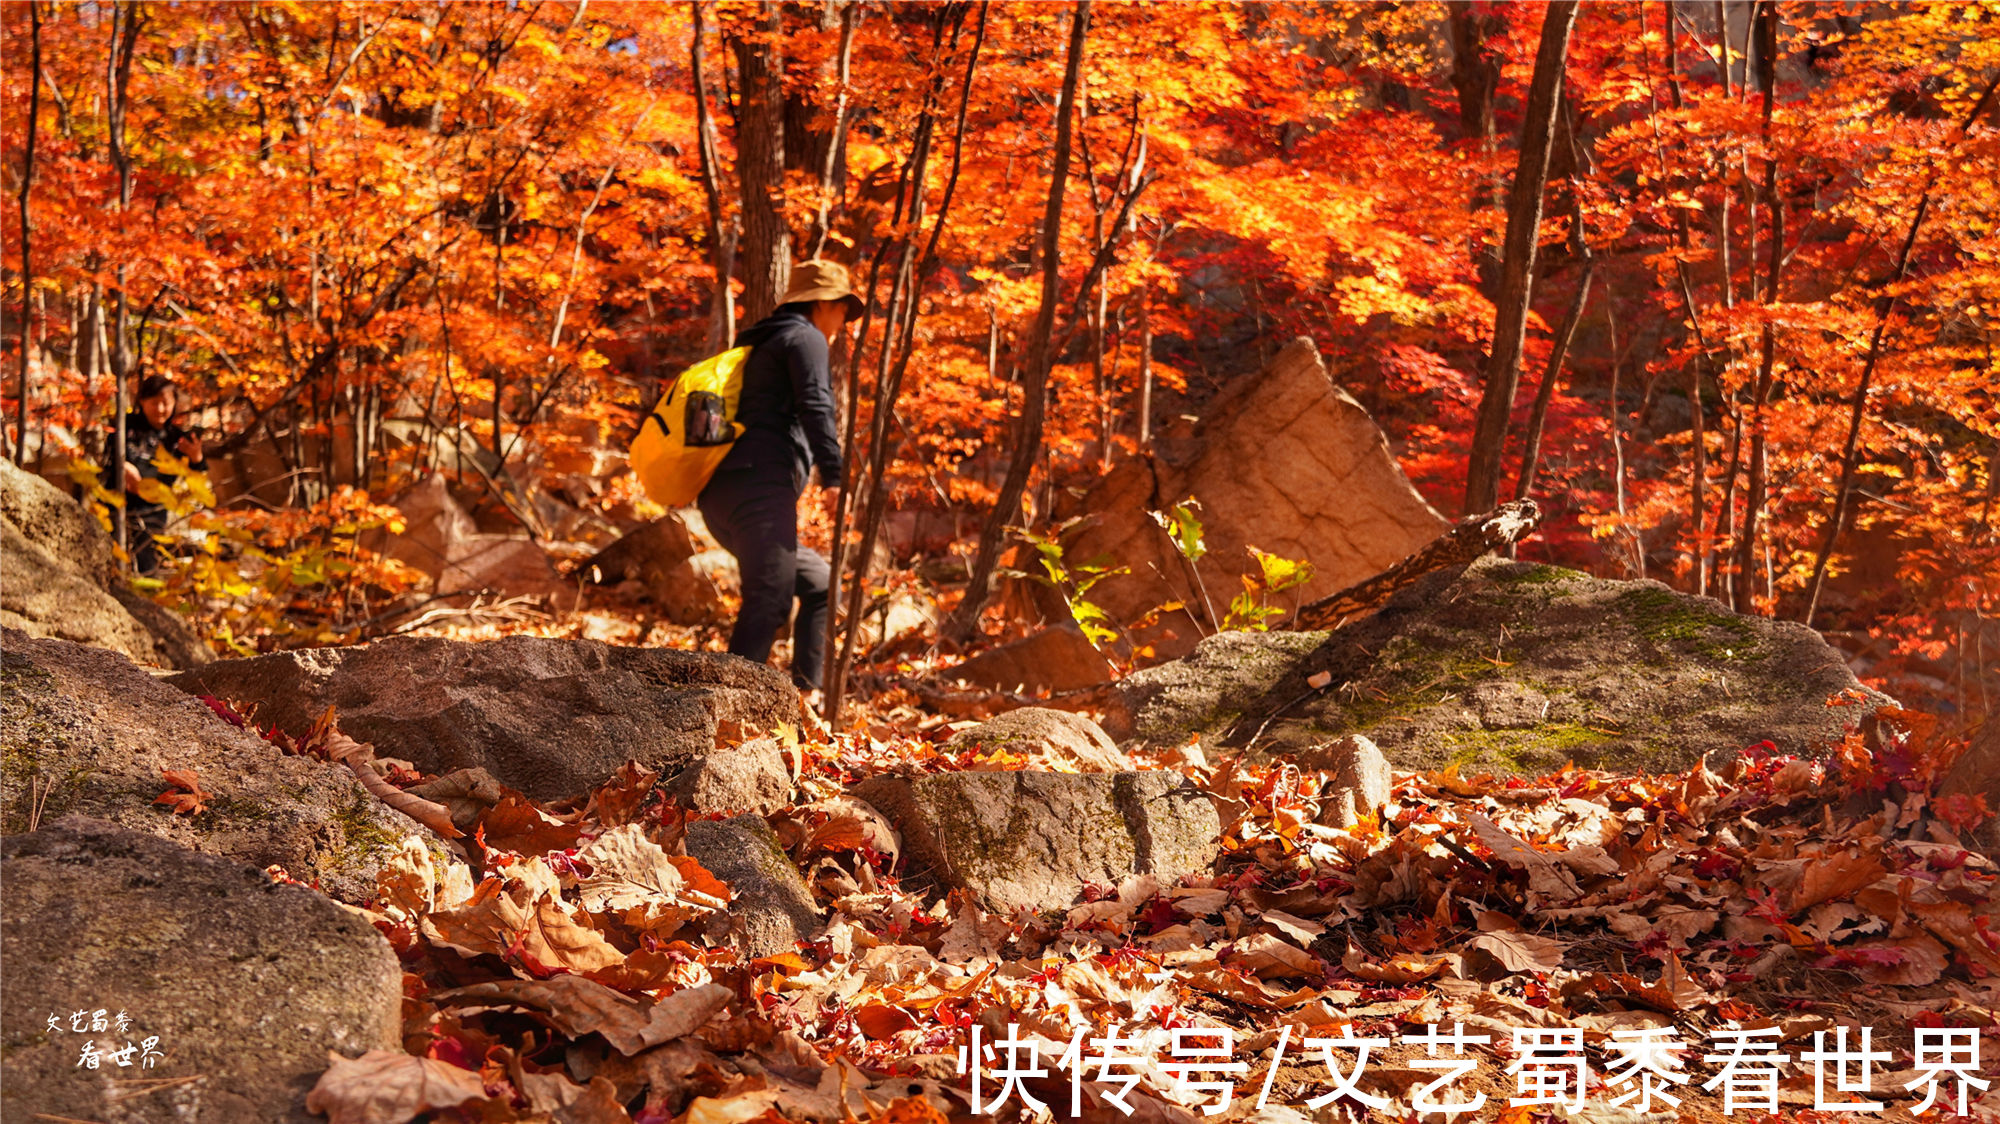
755 516
142 522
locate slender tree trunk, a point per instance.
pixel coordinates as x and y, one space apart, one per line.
1035 379
1753 494
721 233
904 306
1884 308
830 178
27 227
760 165
1146 368
1531 445
1475 74
1698 437
126 21
1517 269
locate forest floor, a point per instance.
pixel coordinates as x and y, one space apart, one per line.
1628 927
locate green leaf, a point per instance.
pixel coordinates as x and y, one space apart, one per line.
1183 528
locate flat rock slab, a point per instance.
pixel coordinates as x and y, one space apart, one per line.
88 732
774 908
1033 840
245 983
548 717
1515 668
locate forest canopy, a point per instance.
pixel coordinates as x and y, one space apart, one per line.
1740 340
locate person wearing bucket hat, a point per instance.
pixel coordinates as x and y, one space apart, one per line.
789 428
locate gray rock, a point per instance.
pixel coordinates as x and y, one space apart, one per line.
60 579
1034 840
752 777
1513 667
1048 659
548 717
43 596
246 984
1357 778
682 573
1283 459
1070 737
85 731
48 517
774 908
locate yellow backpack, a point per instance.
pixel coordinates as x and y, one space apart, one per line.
686 436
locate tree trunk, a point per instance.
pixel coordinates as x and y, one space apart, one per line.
27 263
126 18
1035 378
760 166
1517 266
1531 446
721 232
1753 492
1475 74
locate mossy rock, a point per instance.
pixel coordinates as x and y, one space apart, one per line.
1514 668
84 730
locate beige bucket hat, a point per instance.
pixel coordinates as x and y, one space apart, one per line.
820 280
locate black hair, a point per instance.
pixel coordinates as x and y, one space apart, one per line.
152 386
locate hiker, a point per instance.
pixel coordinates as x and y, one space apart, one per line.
751 503
149 426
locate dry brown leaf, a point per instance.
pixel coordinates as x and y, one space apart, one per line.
1953 922
617 801
1270 957
390 1087
1913 961
577 1006
850 825
627 870
1545 875
1836 875
516 824
1405 969
1519 952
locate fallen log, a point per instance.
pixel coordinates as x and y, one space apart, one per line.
1469 538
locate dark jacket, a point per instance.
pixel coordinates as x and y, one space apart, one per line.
142 441
787 404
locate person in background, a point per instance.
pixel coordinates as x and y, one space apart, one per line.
751 503
149 427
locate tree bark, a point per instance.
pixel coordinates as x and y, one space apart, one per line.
1517 266
27 262
760 165
1753 492
1531 446
126 18
721 237
1035 378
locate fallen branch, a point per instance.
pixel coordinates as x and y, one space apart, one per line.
356 756
1469 538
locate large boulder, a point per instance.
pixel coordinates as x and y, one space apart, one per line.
1051 659
231 989
1512 667
1283 460
83 730
548 717
682 572
443 541
1034 840
60 579
773 909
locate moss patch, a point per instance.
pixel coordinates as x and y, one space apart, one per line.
1671 619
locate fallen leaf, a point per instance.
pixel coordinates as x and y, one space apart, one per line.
627 870
516 824
577 1006
189 802
390 1087
1519 952
1270 957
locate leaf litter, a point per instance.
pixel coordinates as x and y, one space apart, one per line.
572 964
